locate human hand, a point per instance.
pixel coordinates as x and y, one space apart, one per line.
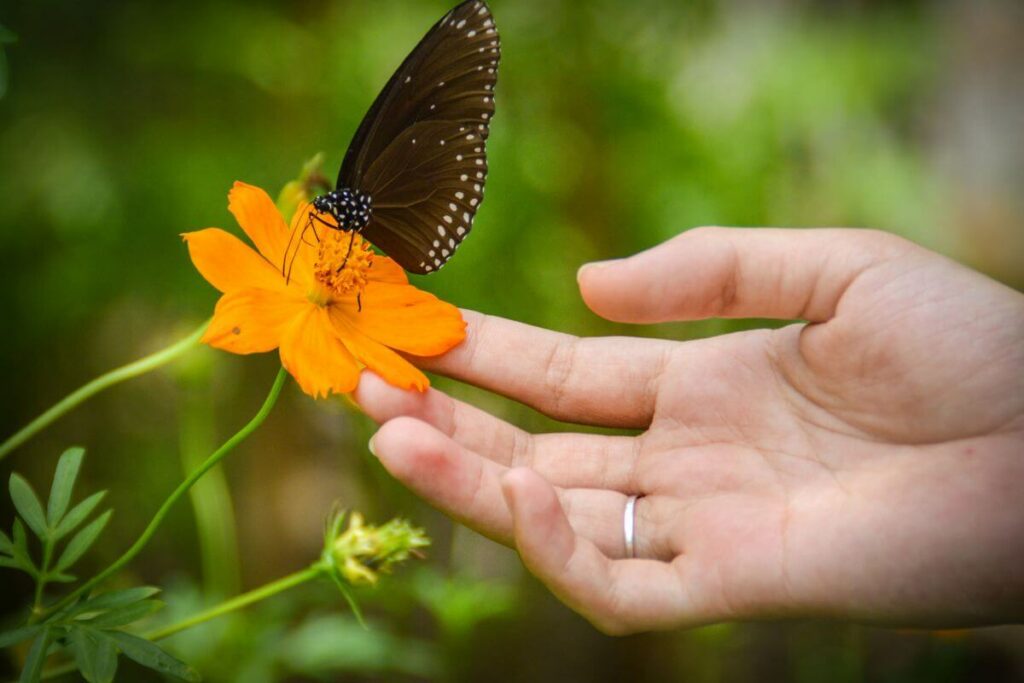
867 465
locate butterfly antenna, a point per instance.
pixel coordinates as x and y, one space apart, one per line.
284 257
289 262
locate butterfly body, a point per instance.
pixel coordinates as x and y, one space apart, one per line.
420 150
351 209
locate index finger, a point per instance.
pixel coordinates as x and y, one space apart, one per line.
608 381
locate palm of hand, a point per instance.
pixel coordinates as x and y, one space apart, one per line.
849 467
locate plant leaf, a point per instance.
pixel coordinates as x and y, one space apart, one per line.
27 504
95 654
150 655
81 541
63 483
113 600
36 657
61 577
6 545
14 636
19 549
126 615
77 515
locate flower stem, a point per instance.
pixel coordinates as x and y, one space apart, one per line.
80 395
240 601
211 496
37 603
182 489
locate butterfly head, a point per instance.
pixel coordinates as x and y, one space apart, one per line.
350 208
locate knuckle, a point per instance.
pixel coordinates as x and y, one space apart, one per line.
560 368
880 244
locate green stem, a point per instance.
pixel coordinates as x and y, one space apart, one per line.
211 498
182 489
240 601
37 605
134 369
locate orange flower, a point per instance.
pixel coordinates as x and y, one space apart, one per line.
314 318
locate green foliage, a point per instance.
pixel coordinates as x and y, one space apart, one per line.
333 643
51 526
461 604
89 629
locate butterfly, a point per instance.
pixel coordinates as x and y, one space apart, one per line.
413 177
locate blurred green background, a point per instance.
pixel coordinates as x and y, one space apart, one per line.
619 124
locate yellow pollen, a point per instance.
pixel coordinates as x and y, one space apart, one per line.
340 270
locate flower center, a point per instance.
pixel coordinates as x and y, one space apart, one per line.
343 260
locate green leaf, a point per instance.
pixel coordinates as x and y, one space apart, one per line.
95 654
113 600
150 655
36 657
126 615
27 504
6 545
61 577
349 598
14 636
77 515
20 543
63 483
19 549
6 35
10 562
81 541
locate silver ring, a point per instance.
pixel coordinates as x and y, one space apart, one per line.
629 525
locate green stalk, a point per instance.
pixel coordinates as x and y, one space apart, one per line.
211 498
240 601
80 395
182 489
37 604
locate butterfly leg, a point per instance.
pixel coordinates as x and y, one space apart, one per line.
351 239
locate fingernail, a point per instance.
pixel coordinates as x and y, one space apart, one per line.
593 266
369 446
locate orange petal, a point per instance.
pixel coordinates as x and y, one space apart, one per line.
377 357
408 319
385 269
256 213
252 320
227 263
318 361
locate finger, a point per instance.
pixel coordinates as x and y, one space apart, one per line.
467 487
605 381
616 596
567 460
736 273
